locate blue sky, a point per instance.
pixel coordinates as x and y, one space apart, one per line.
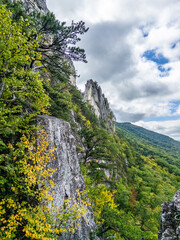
133 52
158 58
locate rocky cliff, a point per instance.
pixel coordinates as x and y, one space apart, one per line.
94 96
67 178
170 219
69 182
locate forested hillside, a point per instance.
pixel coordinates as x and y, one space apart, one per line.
126 178
163 149
153 138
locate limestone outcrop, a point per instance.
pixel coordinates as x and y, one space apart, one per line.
170 219
67 178
94 96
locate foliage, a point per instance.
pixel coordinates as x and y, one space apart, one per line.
63 38
24 210
57 39
25 177
21 195
60 100
144 185
151 143
127 177
111 220
21 92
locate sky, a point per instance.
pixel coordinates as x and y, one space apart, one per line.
133 52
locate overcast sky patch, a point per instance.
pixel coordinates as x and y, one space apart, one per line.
133 52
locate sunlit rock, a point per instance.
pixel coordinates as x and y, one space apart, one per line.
67 178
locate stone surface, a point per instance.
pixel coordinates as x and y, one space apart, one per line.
68 178
169 226
93 95
35 5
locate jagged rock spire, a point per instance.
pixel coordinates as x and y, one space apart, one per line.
93 95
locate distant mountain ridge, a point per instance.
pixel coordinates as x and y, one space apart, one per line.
78 178
154 138
164 149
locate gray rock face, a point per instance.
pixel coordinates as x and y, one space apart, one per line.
170 213
35 5
93 95
68 179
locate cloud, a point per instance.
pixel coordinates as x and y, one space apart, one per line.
128 116
133 52
65 10
108 51
169 128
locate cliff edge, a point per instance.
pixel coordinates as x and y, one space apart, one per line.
67 177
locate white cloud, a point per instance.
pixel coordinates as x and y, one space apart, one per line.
169 128
115 44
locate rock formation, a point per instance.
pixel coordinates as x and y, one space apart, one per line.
35 5
67 176
170 219
93 95
68 179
